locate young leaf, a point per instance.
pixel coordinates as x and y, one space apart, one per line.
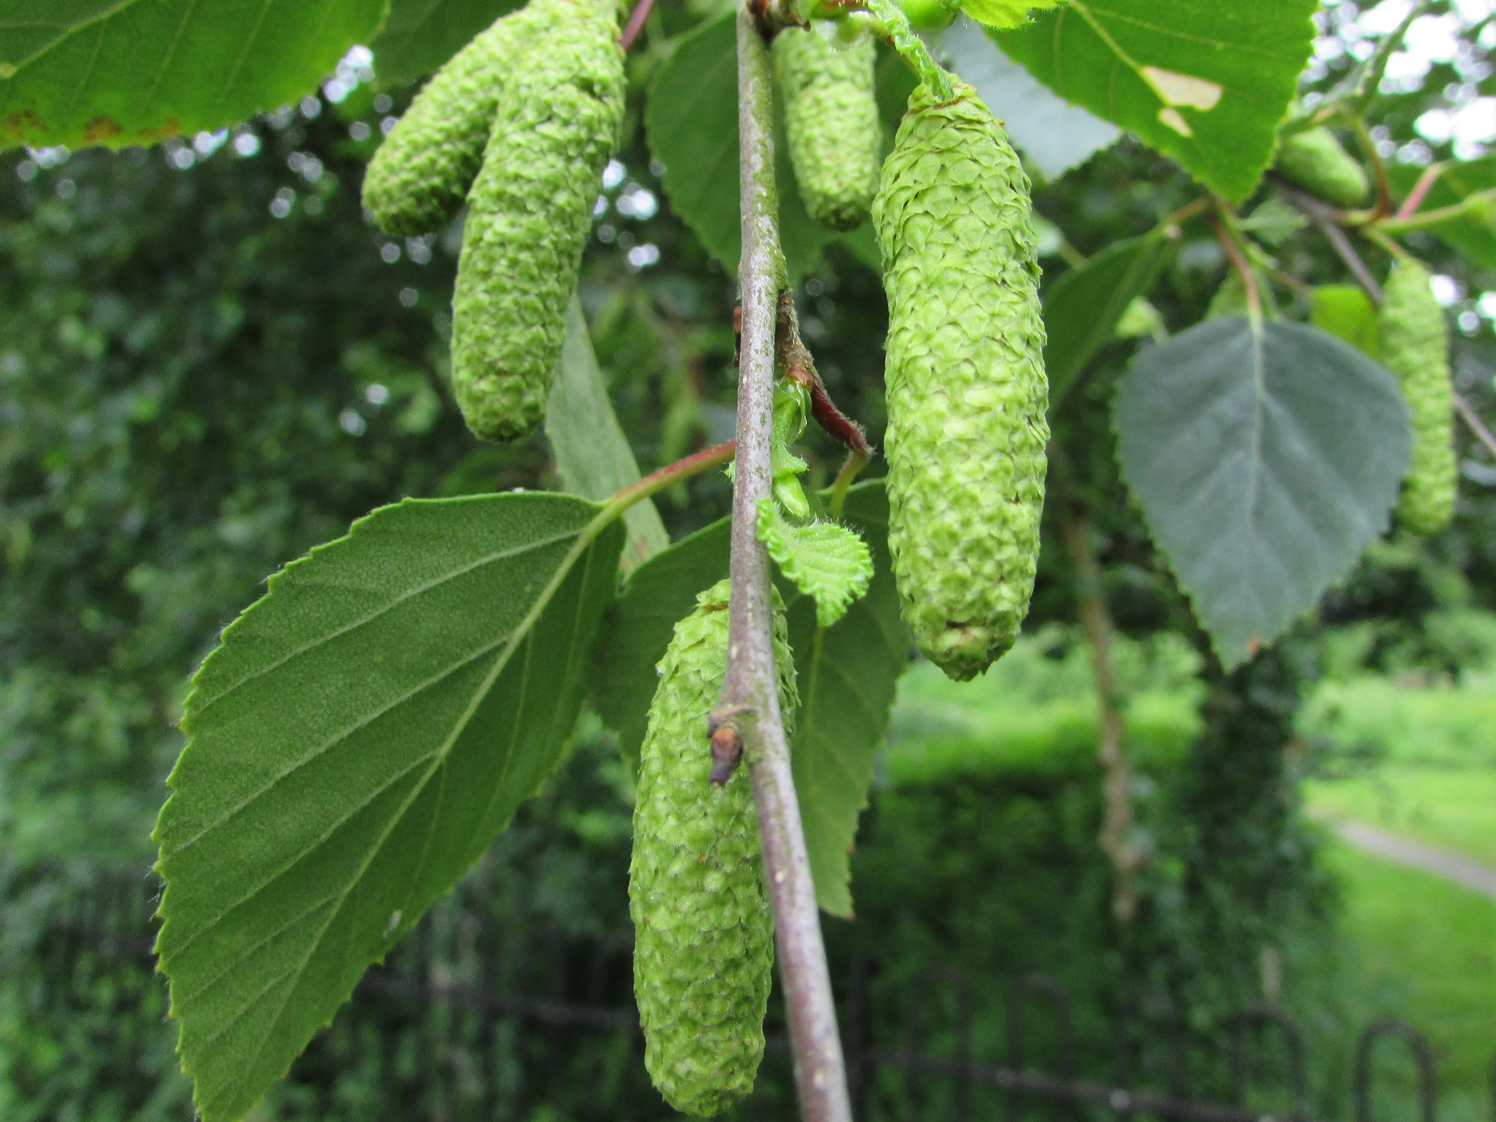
1054 135
1471 235
1265 457
420 35
1083 307
692 124
846 674
1345 311
827 562
1203 81
354 743
592 454
133 73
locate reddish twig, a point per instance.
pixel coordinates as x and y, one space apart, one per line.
1420 190
1238 259
635 24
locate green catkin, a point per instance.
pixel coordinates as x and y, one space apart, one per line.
965 379
831 118
703 931
1315 161
1415 347
420 175
529 214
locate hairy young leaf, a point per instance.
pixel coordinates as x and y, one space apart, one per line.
592 454
136 71
354 743
692 124
420 35
1471 235
846 674
1053 135
1082 308
1204 81
826 561
1265 457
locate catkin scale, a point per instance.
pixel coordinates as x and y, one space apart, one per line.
966 389
421 174
831 120
529 214
703 931
1415 347
1315 161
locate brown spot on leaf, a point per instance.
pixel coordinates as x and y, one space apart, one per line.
169 127
100 128
24 122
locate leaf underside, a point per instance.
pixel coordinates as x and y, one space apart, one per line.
136 71
1203 81
847 675
1266 458
354 743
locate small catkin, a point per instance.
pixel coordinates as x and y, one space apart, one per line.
1315 161
966 389
703 931
831 118
421 174
1415 347
529 214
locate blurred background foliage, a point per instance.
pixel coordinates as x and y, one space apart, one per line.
209 363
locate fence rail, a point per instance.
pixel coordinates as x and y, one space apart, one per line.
410 991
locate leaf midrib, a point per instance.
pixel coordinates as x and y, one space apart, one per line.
585 537
197 706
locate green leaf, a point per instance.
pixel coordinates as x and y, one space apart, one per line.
827 562
1053 135
135 71
1471 235
420 35
1004 13
1082 308
1203 81
1266 456
1345 311
847 675
592 454
354 743
692 125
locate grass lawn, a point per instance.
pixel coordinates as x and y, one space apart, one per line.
1424 951
1453 808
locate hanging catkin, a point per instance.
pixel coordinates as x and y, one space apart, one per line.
966 389
703 932
558 120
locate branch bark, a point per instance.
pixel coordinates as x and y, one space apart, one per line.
1116 769
750 694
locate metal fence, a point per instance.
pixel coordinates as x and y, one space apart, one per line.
463 1022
